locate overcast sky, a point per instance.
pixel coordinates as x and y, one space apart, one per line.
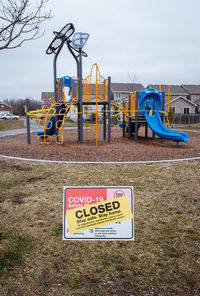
148 41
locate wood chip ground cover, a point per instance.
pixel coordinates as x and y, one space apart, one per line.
120 149
163 259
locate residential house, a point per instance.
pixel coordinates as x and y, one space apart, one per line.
121 91
193 94
4 108
175 91
181 105
180 99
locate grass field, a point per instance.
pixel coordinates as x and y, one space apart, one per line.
11 124
17 124
195 126
163 259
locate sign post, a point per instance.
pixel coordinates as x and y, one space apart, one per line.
98 213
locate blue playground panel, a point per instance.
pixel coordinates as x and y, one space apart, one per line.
65 81
158 128
151 100
146 99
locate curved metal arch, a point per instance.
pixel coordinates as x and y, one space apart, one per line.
60 37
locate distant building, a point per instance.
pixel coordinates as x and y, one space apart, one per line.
121 91
181 101
193 92
175 90
4 108
46 96
181 105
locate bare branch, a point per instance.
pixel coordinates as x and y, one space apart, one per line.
20 22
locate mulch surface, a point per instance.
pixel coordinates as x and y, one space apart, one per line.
120 149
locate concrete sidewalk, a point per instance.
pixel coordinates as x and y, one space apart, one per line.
16 132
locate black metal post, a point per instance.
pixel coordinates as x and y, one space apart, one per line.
28 122
78 76
80 100
55 77
109 109
136 117
146 130
129 119
104 122
163 107
154 105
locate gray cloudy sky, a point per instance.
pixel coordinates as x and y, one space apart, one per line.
150 41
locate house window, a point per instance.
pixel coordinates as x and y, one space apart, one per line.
174 110
186 110
118 95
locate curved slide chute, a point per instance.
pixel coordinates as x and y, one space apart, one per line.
50 130
157 127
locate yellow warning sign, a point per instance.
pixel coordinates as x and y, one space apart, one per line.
98 214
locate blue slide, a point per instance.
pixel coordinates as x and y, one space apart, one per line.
51 126
160 130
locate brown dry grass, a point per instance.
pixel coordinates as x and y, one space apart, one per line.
195 126
11 124
163 259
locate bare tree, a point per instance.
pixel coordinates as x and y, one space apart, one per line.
18 105
20 21
132 78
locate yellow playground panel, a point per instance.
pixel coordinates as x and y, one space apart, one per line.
168 101
97 91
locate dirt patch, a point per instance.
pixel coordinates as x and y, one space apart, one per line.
4 166
33 179
120 149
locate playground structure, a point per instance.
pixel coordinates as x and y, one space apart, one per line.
143 108
94 94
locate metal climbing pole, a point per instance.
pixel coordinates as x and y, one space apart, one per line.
109 109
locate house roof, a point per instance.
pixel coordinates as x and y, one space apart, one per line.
191 88
1 103
126 87
183 98
197 101
174 89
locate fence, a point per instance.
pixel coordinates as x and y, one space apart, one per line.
186 118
